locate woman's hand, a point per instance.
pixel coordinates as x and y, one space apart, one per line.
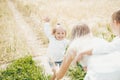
54 74
85 68
88 52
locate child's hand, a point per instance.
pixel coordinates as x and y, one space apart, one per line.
47 19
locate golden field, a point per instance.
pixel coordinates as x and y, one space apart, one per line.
95 13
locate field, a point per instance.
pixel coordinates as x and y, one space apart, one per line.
95 13
13 43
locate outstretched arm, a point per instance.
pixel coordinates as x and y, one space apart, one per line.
65 64
67 61
47 27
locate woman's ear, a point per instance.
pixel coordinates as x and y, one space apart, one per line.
116 23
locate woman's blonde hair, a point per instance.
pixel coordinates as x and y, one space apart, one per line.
80 30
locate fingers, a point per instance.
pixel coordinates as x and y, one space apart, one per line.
54 74
46 19
53 77
85 69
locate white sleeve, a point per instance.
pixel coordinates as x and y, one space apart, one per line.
47 30
115 45
101 46
101 49
107 48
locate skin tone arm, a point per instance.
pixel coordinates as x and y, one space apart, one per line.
65 64
54 74
67 61
79 57
46 19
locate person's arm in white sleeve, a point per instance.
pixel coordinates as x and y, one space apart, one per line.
107 48
100 46
102 49
47 29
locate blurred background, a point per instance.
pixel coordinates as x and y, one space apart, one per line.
13 44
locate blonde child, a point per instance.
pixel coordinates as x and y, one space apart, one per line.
57 42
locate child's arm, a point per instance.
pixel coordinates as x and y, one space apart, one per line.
47 27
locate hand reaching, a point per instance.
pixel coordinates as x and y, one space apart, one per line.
54 74
85 68
47 19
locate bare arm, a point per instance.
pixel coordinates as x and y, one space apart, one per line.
65 64
80 55
67 61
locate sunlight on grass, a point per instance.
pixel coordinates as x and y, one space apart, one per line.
66 12
12 44
95 13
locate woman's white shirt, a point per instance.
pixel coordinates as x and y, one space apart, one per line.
111 47
104 63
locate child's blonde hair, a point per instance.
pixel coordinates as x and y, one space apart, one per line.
58 26
80 30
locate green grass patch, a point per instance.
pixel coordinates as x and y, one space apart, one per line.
103 31
23 69
76 72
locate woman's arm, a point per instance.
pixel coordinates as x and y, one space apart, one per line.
88 52
67 61
65 64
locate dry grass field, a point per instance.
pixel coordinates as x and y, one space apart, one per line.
12 44
95 13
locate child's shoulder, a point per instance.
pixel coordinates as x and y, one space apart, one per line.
66 40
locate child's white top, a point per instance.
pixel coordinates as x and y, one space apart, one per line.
56 48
